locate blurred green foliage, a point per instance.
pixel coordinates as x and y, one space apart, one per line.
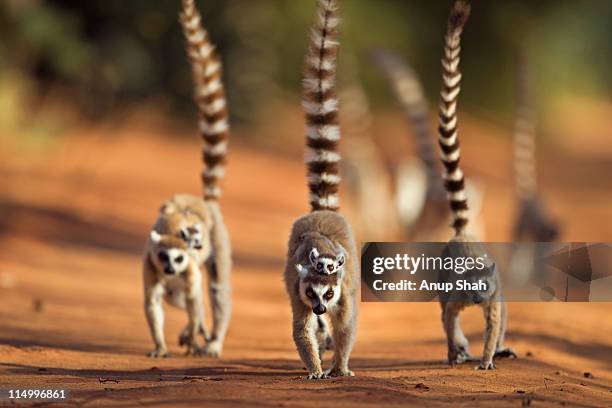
112 52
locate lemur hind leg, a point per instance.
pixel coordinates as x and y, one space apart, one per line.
193 304
184 336
458 346
344 324
219 285
501 351
179 300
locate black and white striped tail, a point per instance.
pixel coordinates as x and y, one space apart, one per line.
321 108
209 97
409 92
454 180
524 133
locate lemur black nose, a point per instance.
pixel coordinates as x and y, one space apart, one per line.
168 270
319 310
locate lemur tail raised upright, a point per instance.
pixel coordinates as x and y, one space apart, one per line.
189 233
464 245
533 221
420 197
320 273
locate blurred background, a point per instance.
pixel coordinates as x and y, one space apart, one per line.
70 68
97 129
95 58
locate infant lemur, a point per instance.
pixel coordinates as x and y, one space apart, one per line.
462 244
320 273
189 233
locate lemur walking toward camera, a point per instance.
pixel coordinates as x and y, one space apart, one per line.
320 273
533 223
189 233
462 244
419 191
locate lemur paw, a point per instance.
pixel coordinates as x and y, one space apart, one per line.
158 353
316 376
505 353
486 366
184 338
213 349
459 357
194 350
337 372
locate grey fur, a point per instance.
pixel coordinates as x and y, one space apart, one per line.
327 231
463 245
184 289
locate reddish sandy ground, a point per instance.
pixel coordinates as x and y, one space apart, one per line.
73 227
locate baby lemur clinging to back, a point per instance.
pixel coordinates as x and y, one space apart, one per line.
463 245
189 233
320 273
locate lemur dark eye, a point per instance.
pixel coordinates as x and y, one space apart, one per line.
329 294
320 266
310 293
330 267
184 235
162 256
179 259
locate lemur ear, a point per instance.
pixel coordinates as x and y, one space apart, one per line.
314 255
195 229
184 234
155 237
167 208
341 257
302 272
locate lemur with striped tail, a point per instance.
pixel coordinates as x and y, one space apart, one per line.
189 233
320 273
364 169
420 197
533 222
462 244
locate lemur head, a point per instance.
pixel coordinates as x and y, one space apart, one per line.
193 235
168 253
326 263
464 247
318 291
320 265
488 276
188 226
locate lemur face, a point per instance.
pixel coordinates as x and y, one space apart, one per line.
319 292
169 254
488 276
326 263
193 235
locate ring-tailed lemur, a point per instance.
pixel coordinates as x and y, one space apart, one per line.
533 222
463 244
320 273
364 169
190 233
420 196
